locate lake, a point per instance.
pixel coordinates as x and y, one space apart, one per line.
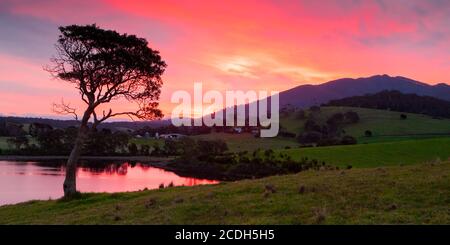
25 180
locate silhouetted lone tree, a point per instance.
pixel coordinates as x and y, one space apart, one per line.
104 66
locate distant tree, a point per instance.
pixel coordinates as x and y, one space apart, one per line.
310 137
336 118
348 140
351 117
104 142
156 151
53 142
397 101
300 114
171 147
18 142
104 65
314 108
3 131
403 116
212 147
326 141
132 149
36 128
145 150
286 134
368 133
312 125
15 129
119 141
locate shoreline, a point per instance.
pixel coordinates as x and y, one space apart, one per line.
165 163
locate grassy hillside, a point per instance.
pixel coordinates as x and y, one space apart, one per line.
247 142
385 125
418 194
378 154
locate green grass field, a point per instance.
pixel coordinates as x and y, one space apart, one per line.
247 142
377 154
417 194
385 125
235 142
149 142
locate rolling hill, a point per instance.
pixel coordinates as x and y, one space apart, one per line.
397 101
416 194
304 96
308 95
385 125
377 154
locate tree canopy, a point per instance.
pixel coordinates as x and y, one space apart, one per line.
105 65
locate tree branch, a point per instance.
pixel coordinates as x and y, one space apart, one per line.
65 109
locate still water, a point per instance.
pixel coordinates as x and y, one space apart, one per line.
24 181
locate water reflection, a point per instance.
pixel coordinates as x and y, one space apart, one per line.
23 181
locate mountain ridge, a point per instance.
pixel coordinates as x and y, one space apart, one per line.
309 95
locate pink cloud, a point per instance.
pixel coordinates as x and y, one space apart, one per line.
262 44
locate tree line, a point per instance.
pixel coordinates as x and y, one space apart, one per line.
397 101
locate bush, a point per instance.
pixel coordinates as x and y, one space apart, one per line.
368 133
348 140
145 150
314 108
132 149
336 119
300 114
311 125
310 137
286 134
403 116
18 142
156 150
351 117
214 147
329 141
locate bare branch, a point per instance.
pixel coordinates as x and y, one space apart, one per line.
65 109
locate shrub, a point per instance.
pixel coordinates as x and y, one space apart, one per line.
286 134
18 142
368 133
310 137
314 108
351 117
145 150
336 119
300 114
132 149
311 125
156 150
329 141
348 140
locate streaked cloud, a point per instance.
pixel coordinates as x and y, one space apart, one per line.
233 44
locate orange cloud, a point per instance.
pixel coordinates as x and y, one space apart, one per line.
273 45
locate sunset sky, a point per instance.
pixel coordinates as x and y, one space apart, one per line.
228 45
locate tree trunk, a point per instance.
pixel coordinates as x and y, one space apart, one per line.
70 184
